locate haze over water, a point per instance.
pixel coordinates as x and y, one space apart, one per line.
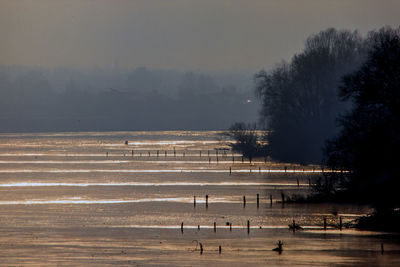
86 199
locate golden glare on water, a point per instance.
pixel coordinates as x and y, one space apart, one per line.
89 198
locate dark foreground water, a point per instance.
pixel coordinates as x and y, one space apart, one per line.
90 199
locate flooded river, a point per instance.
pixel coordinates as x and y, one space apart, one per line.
139 198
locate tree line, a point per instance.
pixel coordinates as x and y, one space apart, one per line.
337 103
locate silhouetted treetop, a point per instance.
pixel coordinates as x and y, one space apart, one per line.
369 142
299 99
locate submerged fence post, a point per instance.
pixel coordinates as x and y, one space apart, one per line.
206 201
220 249
340 223
283 197
325 223
258 200
230 170
248 227
270 200
182 227
230 227
298 183
233 160
194 201
244 201
215 227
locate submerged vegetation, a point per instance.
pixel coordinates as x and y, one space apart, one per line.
248 140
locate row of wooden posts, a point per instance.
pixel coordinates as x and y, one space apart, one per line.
286 169
244 199
293 227
183 153
215 226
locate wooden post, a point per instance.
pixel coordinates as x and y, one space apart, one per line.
158 153
149 153
220 249
258 200
183 153
248 227
201 248
182 227
340 223
140 154
233 160
209 160
230 170
208 152
285 168
107 154
259 169
198 227
250 160
206 201
165 153
174 152
217 159
194 201
242 159
132 153
270 200
230 227
215 227
283 197
325 223
244 201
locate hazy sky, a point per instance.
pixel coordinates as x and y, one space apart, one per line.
175 34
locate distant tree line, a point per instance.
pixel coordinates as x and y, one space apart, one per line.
33 100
